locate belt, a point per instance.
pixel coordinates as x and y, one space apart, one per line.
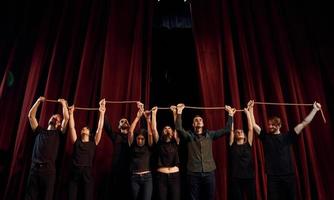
141 173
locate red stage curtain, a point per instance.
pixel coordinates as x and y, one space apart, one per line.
253 50
77 50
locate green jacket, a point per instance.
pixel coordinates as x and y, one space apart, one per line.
200 157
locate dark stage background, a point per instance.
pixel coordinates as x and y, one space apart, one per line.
202 53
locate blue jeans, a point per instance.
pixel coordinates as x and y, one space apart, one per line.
202 185
141 186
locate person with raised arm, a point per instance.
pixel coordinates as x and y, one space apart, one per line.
168 173
200 164
140 144
42 174
81 182
120 184
281 183
242 171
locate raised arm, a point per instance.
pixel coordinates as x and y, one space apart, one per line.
147 115
73 133
308 118
63 103
174 110
250 106
102 110
106 125
134 123
32 113
231 134
219 133
108 129
250 126
176 135
178 122
154 124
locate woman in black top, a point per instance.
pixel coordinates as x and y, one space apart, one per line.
140 154
168 176
81 181
242 172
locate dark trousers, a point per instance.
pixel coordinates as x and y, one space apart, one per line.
240 186
81 185
281 187
120 185
201 185
141 186
168 186
40 186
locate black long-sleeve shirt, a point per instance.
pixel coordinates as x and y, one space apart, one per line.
121 150
200 157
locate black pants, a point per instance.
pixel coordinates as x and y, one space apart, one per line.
202 185
168 186
239 187
120 185
40 185
281 187
81 183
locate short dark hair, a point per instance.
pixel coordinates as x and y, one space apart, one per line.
197 116
275 120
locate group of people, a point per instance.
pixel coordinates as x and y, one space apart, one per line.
139 156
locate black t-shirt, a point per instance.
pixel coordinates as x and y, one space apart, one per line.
140 158
241 161
83 153
168 155
277 152
46 147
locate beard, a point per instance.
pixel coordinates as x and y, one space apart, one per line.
166 137
124 126
199 126
272 130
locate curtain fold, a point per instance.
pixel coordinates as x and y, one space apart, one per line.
251 50
85 50
81 51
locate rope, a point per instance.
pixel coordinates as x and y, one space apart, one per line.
203 108
199 108
121 102
82 108
283 104
292 104
210 108
53 101
77 108
163 108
